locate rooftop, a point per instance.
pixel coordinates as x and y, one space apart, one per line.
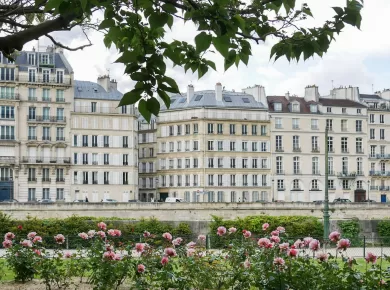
90 90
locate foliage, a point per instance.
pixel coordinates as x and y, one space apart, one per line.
138 29
351 230
244 263
384 231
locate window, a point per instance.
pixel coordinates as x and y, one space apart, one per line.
296 185
382 134
94 140
188 180
220 162
313 108
60 96
329 109
372 134
329 124
263 146
383 150
45 175
211 162
220 180
32 133
382 119
188 129
232 163
125 178
296 146
280 183
171 130
7 74
331 184
264 163
314 144
93 107
60 175
344 125
7 112
46 193
254 129
210 128
125 159
330 165
296 165
359 184
195 128
31 194
178 146
263 130
60 134
178 129
106 159
232 129
295 107
60 77
85 140
220 128
94 158
244 129
359 166
106 141
254 146
124 110
106 176
211 179
358 111
245 180
220 145
232 146
277 106
31 174
46 114
31 58
210 145
196 145
295 123
254 180
195 162
279 143
244 146
359 125
314 184
85 158
46 95
344 165
254 163
75 159
125 141
359 145
330 144
314 166
344 144
278 123
279 165
85 177
46 134
344 110
31 75
195 179
244 163
232 180
346 184
31 113
314 124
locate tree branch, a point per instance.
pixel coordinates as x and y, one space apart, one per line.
59 44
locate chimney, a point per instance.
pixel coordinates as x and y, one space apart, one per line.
339 93
353 94
190 92
258 93
113 85
218 92
104 81
385 94
287 95
311 94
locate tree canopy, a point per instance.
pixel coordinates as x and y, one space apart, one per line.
137 28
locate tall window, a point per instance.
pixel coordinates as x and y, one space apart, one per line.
314 144
314 184
263 129
296 165
210 128
31 194
278 143
382 119
344 125
254 129
280 184
346 184
32 133
314 124
344 144
220 128
232 129
296 143
345 165
330 144
329 124
46 193
359 125
314 166
372 134
7 112
60 194
278 123
382 134
295 123
359 145
372 118
296 185
106 176
279 165
359 166
330 165
244 129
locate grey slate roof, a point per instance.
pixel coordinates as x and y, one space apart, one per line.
90 90
207 99
371 97
340 103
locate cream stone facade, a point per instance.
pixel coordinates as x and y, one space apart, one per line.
214 146
104 144
36 94
298 145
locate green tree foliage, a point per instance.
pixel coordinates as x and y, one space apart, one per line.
137 28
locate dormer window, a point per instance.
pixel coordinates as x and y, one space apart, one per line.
359 111
313 108
295 107
329 109
31 58
277 106
344 110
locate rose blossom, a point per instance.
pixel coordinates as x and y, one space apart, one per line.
202 238
140 268
283 246
38 252
114 233
281 229
170 252
164 260
191 245
31 235
26 243
322 257
299 244
275 239
221 231
91 233
7 244
60 239
102 226
307 241
275 233
190 252
334 236
37 239
370 257
343 244
177 241
101 234
109 255
67 255
117 257
263 242
167 236
292 252
279 261
139 247
232 230
350 262
146 234
246 234
84 236
247 264
314 245
265 226
108 247
9 236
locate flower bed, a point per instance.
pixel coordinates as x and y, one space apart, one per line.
105 260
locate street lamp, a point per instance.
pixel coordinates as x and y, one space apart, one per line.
156 181
273 190
368 190
326 201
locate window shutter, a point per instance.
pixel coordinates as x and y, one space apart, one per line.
79 177
78 140
120 177
89 158
100 140
111 140
100 177
101 159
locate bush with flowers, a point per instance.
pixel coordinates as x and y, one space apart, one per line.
245 262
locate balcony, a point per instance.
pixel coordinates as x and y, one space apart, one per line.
315 150
40 79
359 151
279 149
60 179
46 119
7 137
297 149
32 137
384 188
60 138
280 172
94 182
360 173
298 172
46 179
379 173
7 159
373 187
34 160
347 175
46 99
344 150
46 138
6 179
60 100
32 98
9 96
315 172
379 156
32 179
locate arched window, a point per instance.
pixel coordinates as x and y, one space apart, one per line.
296 185
314 184
345 165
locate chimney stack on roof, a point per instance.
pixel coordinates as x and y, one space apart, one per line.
258 93
104 81
190 92
218 91
312 94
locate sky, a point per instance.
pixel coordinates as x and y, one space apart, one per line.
358 58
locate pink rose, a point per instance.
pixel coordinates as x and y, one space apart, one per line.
9 236
279 261
177 241
60 239
263 242
265 226
170 252
247 264
38 252
117 257
202 238
322 257
31 235
7 244
292 253
102 226
284 246
191 245
109 255
84 236
167 236
146 235
67 255
37 239
232 230
299 244
139 247
275 233
307 241
275 239
370 257
164 261
27 243
314 245
281 229
91 233
343 244
221 231
246 234
140 268
334 236
101 234
190 252
114 233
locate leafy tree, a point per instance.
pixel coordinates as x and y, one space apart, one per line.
137 29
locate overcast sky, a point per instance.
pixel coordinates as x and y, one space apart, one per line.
358 58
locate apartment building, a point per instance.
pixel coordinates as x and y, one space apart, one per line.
36 94
378 143
298 145
104 143
147 154
214 146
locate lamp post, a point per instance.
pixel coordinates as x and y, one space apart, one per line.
156 181
368 191
326 201
273 190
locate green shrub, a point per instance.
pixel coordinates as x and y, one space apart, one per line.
350 230
384 231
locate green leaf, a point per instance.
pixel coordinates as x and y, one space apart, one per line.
143 109
127 57
131 97
164 96
244 58
52 4
158 19
289 5
352 17
84 4
222 44
210 64
139 76
172 83
229 61
153 106
338 10
202 70
167 7
203 41
106 23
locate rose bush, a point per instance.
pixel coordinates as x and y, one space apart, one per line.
245 262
